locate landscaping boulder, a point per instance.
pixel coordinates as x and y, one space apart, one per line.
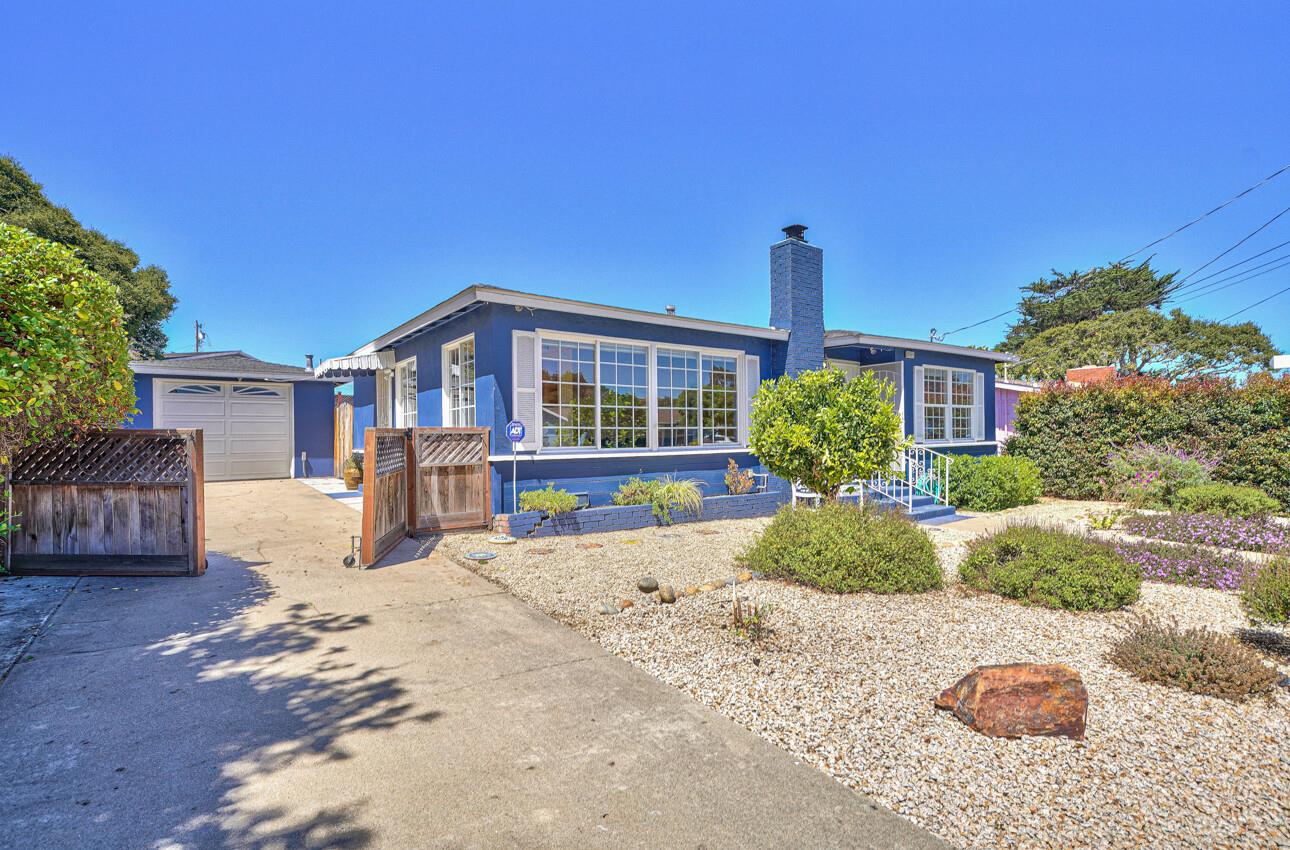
666 594
648 584
1011 700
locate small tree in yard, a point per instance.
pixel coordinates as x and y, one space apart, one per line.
64 362
822 429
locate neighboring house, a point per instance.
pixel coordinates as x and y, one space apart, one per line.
259 420
606 393
1007 394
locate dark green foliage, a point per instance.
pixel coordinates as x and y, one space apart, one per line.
550 500
1071 432
1227 499
993 483
143 291
1196 660
1266 596
843 549
1050 567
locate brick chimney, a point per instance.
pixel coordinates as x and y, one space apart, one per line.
797 298
1090 375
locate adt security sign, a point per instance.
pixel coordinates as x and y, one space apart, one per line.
514 433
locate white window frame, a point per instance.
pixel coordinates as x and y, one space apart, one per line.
384 397
546 335
449 412
405 415
974 409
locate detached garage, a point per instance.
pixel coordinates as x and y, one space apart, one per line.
259 419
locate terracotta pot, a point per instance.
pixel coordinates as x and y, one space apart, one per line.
353 477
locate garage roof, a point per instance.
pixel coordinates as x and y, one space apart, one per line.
224 364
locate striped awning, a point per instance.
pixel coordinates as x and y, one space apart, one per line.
355 364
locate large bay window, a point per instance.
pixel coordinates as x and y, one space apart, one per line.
949 404
621 394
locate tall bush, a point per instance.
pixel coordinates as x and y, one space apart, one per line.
993 483
1072 432
824 429
64 359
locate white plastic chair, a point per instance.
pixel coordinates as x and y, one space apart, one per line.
800 492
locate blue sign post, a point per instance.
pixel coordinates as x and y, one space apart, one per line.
514 433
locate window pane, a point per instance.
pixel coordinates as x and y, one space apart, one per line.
934 389
962 423
621 397
678 405
934 423
719 400
568 394
962 387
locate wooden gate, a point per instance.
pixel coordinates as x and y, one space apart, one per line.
419 480
342 433
453 484
124 502
386 456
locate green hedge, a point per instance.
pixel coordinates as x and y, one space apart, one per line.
992 483
1226 499
1070 432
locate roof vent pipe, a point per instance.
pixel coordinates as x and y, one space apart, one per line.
309 361
671 309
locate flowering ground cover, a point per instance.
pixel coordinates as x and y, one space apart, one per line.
1193 566
1252 535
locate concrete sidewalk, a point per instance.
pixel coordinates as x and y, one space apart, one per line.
282 701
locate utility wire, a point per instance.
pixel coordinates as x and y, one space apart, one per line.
982 322
1199 280
1238 244
1196 295
1256 303
1230 200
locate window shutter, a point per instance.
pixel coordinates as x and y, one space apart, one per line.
752 381
524 383
978 406
918 403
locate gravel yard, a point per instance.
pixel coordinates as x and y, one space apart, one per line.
846 683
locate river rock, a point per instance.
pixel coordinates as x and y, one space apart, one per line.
666 594
1012 700
649 584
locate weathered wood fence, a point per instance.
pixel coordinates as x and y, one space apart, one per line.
125 502
343 440
418 480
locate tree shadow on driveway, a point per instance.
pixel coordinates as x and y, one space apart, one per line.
156 714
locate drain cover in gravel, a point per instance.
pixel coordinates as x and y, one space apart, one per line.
481 556
503 539
540 551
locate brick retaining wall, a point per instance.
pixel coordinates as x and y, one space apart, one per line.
627 517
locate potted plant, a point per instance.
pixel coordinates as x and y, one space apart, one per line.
352 471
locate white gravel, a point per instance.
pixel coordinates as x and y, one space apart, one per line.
846 683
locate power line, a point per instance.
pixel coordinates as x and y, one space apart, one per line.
1199 280
1209 291
1230 200
1256 303
1239 243
975 324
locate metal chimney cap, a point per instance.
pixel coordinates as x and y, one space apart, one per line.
671 309
796 231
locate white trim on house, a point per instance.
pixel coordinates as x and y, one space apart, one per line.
401 409
526 300
445 379
835 339
184 369
588 454
651 370
384 398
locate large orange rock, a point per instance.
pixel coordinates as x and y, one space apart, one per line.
1011 700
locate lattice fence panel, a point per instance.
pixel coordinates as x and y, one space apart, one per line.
449 449
390 453
105 458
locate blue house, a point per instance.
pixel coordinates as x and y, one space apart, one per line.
258 419
606 393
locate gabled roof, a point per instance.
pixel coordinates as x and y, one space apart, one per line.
221 364
839 338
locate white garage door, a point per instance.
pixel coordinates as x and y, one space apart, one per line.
246 428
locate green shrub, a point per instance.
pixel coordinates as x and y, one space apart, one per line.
841 548
1050 567
550 500
1227 499
1070 432
636 491
993 483
1195 660
1150 476
1266 596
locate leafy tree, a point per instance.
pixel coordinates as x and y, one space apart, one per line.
64 356
824 430
144 291
1144 341
1067 299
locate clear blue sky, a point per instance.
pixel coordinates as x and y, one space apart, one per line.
311 174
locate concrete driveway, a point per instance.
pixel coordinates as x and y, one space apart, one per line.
282 701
